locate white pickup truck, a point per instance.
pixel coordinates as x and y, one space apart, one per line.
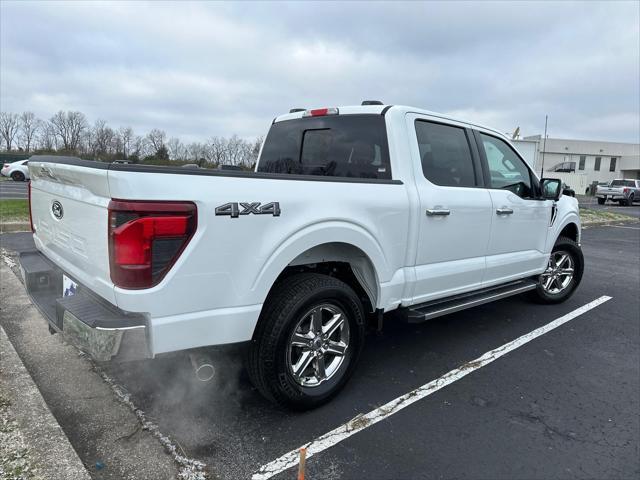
625 192
351 212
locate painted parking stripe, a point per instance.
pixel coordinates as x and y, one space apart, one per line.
620 226
361 422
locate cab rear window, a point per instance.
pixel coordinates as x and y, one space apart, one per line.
623 183
352 146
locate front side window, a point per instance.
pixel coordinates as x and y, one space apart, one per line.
596 166
583 161
353 146
506 169
612 165
446 155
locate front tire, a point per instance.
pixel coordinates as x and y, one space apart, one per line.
307 342
601 201
18 176
563 274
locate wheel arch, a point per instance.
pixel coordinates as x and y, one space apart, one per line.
570 230
326 247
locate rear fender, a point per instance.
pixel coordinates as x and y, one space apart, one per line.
309 237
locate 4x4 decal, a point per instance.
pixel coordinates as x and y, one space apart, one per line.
235 209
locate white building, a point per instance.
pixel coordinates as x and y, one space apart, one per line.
579 163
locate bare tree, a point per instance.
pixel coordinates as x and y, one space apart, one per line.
176 149
29 126
69 127
139 147
236 150
102 138
217 147
47 137
126 137
9 124
156 139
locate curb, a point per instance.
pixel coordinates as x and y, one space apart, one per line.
48 445
6 227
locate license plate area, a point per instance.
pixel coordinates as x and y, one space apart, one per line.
69 287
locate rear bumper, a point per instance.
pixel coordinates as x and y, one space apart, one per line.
611 196
89 322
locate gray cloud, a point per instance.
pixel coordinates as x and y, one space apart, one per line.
201 69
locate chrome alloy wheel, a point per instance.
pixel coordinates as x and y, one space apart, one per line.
318 345
559 273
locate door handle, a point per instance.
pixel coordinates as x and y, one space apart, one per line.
437 212
504 211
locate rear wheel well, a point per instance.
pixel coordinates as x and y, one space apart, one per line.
340 270
343 261
570 231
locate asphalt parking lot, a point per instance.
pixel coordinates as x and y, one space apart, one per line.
563 405
10 189
592 203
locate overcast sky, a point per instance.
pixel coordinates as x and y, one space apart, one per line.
202 69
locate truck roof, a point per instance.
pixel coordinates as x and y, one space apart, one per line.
379 109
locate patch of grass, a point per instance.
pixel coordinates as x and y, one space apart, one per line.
14 210
589 216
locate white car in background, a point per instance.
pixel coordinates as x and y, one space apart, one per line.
18 171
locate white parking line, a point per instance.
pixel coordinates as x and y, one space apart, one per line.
361 422
620 226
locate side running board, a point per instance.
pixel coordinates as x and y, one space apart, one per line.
436 308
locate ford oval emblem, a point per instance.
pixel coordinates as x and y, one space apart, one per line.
56 209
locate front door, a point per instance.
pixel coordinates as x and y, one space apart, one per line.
455 210
520 220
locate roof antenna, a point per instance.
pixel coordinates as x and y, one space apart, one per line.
372 102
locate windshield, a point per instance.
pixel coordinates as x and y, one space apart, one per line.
337 146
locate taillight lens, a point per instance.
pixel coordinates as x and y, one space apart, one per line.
320 112
146 239
30 214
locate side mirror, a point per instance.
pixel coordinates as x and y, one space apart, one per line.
551 188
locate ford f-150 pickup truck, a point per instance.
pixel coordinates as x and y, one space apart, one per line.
622 191
351 212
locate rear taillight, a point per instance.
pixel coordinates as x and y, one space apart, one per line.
30 214
146 239
6 165
626 190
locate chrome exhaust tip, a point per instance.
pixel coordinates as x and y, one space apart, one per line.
202 366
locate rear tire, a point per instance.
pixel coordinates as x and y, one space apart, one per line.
18 176
601 201
629 202
554 284
286 339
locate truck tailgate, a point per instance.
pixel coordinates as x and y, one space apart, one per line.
69 208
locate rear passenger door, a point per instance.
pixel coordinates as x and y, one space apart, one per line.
455 209
520 220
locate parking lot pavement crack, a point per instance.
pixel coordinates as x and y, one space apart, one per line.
552 431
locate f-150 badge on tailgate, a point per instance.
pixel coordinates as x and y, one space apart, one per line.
235 209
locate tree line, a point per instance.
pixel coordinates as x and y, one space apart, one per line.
70 133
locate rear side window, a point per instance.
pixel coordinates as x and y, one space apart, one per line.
446 155
506 168
353 146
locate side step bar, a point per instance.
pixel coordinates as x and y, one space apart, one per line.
437 308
